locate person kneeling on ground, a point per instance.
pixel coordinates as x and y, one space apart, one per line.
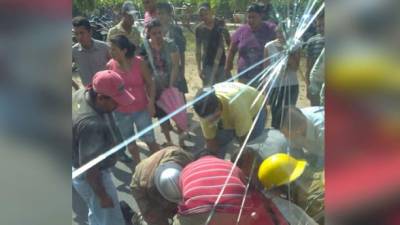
201 183
92 137
154 184
229 111
285 177
305 130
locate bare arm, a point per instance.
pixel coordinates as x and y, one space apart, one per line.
175 68
308 70
182 50
182 55
309 64
91 143
231 55
148 80
266 55
150 86
227 37
198 57
198 51
93 177
212 145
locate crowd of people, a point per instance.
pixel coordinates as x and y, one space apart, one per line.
124 79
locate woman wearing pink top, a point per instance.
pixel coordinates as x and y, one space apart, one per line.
139 83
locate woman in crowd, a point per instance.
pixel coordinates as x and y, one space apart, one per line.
163 57
249 40
174 32
136 74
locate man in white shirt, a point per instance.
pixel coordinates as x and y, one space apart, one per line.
305 129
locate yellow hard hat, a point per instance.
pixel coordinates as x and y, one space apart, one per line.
279 169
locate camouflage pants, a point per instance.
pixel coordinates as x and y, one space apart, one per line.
310 194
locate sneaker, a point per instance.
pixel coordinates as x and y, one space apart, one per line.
137 219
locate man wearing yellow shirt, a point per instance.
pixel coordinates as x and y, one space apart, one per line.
125 27
228 112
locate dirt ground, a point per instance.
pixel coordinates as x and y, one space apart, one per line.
194 81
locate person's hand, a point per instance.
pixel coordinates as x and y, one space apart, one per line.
228 67
151 109
106 202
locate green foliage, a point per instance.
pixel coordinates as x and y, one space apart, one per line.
88 6
85 6
239 5
221 7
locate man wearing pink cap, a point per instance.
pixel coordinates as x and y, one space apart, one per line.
91 137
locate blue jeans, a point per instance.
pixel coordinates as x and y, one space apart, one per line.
98 215
141 120
224 136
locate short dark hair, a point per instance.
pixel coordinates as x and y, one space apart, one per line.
164 6
81 21
93 94
123 43
206 106
291 113
204 5
152 24
256 8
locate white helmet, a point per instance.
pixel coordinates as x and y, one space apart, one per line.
166 179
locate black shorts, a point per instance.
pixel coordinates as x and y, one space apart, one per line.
160 113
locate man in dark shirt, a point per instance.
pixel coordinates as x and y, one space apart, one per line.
211 34
91 137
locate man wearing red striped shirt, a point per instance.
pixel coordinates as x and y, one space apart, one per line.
201 182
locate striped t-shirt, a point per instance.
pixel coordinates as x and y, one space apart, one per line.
201 182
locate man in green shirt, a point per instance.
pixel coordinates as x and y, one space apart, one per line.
125 27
